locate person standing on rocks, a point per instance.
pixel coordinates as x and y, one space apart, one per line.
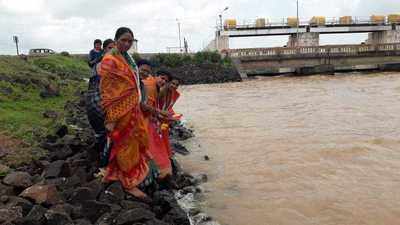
95 54
166 103
157 148
95 112
124 120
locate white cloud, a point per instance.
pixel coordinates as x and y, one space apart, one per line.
72 25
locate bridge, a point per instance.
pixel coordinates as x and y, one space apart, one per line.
316 59
381 30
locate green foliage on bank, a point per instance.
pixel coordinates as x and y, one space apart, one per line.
66 67
22 81
176 60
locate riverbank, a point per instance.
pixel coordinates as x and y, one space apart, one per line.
61 188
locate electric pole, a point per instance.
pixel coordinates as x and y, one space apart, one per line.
298 23
15 38
179 31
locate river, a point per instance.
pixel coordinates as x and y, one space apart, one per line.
298 150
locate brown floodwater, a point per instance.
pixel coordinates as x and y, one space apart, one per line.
306 150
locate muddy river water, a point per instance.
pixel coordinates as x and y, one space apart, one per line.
298 150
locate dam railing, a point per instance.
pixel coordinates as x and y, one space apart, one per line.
316 51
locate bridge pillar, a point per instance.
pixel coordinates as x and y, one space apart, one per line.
304 39
384 37
222 42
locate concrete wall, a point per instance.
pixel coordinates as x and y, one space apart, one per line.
384 37
304 39
275 61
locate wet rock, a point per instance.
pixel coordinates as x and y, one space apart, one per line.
42 194
64 208
105 219
35 216
179 148
6 190
127 204
133 216
113 193
156 222
96 185
82 194
200 178
4 198
9 215
59 182
176 216
56 218
50 114
201 218
92 209
50 90
164 201
56 169
18 179
24 204
83 222
180 132
62 131
61 153
189 189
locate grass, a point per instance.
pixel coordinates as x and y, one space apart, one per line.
64 66
21 107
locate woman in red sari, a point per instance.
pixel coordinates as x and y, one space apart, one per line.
166 102
121 97
157 148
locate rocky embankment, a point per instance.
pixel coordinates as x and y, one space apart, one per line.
206 74
61 188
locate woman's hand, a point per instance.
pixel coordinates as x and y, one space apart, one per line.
110 126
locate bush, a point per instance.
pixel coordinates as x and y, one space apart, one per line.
176 60
64 54
66 67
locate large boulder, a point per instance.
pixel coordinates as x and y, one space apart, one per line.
134 216
82 194
57 169
24 204
42 194
113 194
57 218
92 209
35 216
9 215
18 179
6 190
61 153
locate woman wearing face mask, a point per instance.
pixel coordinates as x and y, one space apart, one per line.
121 97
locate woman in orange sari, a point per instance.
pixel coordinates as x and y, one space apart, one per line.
166 102
124 121
157 148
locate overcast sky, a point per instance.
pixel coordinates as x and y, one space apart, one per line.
72 25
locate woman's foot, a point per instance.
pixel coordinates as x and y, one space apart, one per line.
137 193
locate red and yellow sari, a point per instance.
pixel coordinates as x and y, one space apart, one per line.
166 104
157 147
120 92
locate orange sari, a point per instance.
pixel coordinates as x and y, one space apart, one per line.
120 94
167 104
157 148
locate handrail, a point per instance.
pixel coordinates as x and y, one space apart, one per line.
312 50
